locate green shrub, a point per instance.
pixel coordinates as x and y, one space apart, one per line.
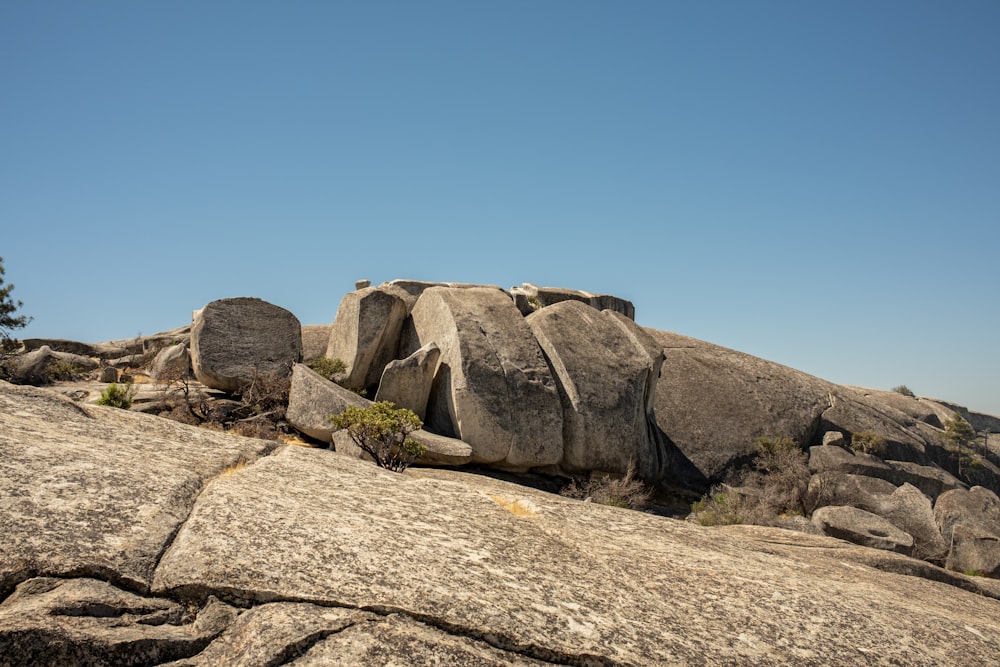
904 390
59 369
718 508
382 431
331 369
868 442
117 396
958 433
626 491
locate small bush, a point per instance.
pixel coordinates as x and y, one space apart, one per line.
331 369
627 491
904 390
868 442
718 508
117 396
773 486
382 431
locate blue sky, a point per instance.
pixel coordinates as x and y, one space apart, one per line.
814 183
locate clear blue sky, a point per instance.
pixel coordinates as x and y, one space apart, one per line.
814 183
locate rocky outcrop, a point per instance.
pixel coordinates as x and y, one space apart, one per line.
493 388
312 399
607 381
333 560
365 335
234 340
407 382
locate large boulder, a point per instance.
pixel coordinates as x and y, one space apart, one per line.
912 512
838 488
312 399
365 334
493 388
932 480
407 382
970 524
234 340
607 383
861 527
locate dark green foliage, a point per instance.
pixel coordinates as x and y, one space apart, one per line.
8 306
958 433
117 396
904 390
382 431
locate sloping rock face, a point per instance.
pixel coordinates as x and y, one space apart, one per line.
365 334
334 561
493 388
607 382
233 340
713 403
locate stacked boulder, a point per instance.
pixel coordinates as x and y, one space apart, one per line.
568 389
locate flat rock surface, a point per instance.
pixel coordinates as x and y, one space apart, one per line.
555 578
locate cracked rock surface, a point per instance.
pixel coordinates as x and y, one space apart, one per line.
123 543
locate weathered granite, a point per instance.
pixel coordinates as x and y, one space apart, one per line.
861 527
365 335
340 562
607 383
49 621
493 389
97 491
